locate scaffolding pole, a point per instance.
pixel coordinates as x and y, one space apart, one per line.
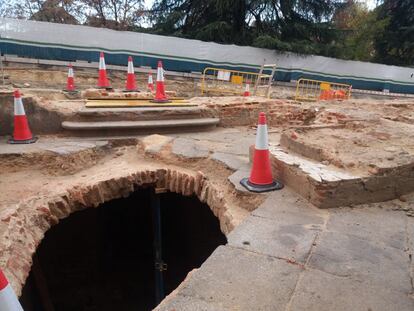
160 266
1 68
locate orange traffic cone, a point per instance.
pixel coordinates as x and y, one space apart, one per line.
247 90
261 178
131 85
70 84
103 81
150 82
8 298
21 133
160 96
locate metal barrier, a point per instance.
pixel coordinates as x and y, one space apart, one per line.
220 81
312 90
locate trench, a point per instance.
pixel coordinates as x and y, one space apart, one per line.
105 258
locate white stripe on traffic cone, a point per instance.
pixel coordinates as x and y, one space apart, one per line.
8 299
262 140
102 65
70 72
130 65
18 105
247 90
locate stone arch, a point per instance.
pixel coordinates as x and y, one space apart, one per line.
28 222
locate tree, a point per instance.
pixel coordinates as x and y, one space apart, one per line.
298 23
359 28
54 11
115 14
210 20
395 45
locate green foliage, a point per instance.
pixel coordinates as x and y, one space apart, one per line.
336 28
395 44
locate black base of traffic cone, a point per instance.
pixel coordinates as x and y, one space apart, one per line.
275 185
70 92
26 141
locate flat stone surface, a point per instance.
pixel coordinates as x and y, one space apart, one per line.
225 140
364 260
314 170
58 146
188 148
371 223
137 110
236 177
231 161
410 235
66 148
147 124
274 238
320 291
154 143
224 135
239 280
288 207
187 303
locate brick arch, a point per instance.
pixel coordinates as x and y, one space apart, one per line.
28 222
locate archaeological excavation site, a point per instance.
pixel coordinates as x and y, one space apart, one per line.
129 184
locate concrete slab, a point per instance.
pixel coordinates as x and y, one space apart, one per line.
188 148
288 207
370 223
410 241
363 260
233 162
186 303
225 139
55 145
320 291
242 280
219 135
148 124
274 238
154 143
236 177
66 148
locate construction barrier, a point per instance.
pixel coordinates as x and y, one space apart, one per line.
312 90
219 81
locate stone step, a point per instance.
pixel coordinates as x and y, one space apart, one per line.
147 126
140 114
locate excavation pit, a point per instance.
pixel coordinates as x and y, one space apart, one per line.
103 258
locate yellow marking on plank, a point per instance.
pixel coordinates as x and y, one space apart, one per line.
135 103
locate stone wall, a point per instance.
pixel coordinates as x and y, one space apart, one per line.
245 112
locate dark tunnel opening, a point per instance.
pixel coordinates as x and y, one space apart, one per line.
103 258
